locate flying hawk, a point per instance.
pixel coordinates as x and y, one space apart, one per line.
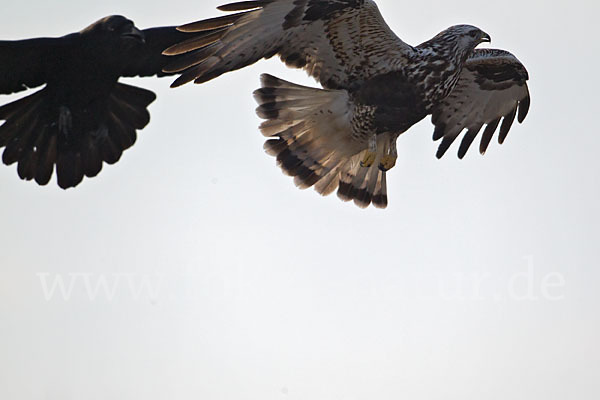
83 116
375 87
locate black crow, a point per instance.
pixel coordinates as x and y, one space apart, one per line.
83 116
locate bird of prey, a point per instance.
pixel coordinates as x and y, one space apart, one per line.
375 87
83 116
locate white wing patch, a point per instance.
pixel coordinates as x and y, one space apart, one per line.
492 87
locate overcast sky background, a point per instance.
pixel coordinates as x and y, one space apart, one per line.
224 281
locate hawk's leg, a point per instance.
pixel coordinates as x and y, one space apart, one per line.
371 153
390 156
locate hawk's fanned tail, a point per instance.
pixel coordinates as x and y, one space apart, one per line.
364 185
309 134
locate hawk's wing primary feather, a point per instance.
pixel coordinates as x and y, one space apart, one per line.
338 42
492 87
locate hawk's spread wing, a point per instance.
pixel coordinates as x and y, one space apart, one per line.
338 42
492 87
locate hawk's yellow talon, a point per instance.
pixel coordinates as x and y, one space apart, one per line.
387 162
368 159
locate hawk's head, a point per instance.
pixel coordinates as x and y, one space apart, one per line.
467 36
458 41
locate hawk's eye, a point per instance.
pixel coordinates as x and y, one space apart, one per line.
473 34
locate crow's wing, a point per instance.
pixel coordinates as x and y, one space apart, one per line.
26 64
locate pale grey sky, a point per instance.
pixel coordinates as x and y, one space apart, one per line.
224 281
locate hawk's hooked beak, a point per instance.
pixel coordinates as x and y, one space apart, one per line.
485 38
134 33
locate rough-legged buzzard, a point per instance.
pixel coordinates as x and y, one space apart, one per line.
375 87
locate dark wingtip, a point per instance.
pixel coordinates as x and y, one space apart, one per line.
445 145
182 80
439 131
467 141
524 109
488 134
243 5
